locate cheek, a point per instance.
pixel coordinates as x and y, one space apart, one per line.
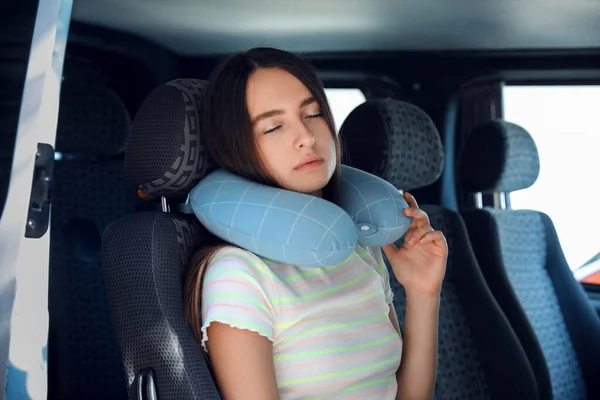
327 142
327 150
321 132
333 156
272 156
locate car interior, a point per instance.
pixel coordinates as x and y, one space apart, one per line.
425 95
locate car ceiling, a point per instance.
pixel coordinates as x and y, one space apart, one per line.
199 27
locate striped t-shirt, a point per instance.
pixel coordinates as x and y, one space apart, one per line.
330 328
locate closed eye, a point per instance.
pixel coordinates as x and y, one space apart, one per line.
276 127
273 129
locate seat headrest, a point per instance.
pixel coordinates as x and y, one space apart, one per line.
93 121
498 156
165 155
394 140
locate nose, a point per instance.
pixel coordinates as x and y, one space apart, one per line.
305 137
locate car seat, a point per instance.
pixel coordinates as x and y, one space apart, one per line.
89 191
479 355
145 254
524 265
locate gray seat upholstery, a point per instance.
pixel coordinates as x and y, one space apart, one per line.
480 356
89 191
522 261
144 254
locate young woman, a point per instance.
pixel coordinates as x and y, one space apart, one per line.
274 331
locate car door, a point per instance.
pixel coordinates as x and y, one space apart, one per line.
32 46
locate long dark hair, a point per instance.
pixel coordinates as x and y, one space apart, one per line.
228 136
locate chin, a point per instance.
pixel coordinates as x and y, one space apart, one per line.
310 186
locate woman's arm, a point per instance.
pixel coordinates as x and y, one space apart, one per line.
417 373
419 265
242 361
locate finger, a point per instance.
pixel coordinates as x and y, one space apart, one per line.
416 236
434 236
412 202
420 217
437 243
416 213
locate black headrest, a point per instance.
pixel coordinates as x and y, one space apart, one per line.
93 121
394 140
165 155
498 156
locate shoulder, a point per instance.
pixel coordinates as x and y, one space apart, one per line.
237 291
372 256
232 268
233 258
376 261
236 272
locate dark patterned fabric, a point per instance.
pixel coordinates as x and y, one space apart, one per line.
165 155
460 373
84 361
394 140
479 356
483 235
499 156
189 236
93 120
143 270
523 248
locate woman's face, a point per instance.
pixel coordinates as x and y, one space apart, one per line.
293 139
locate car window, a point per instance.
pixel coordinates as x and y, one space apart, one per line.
563 121
342 102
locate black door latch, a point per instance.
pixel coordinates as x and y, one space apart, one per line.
38 216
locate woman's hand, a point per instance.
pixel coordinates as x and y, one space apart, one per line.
420 263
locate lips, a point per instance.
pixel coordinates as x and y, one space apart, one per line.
309 163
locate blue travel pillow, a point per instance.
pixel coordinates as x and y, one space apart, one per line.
296 228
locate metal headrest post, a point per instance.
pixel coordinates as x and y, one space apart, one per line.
500 200
478 199
164 204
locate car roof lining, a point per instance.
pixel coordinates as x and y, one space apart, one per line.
205 27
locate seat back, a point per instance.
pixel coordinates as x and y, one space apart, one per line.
479 355
145 254
523 263
89 191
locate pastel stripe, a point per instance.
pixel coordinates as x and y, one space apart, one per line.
335 350
238 323
338 374
326 316
339 295
338 360
330 337
236 297
324 292
338 326
330 328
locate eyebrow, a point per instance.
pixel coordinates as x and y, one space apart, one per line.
273 113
